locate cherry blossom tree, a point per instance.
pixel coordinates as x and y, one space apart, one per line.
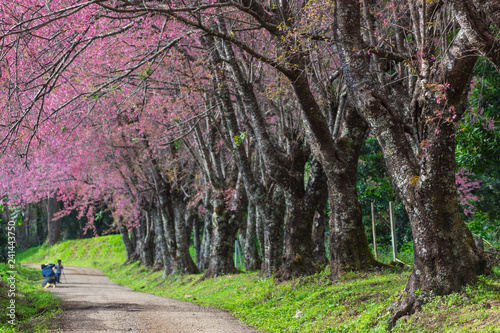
206 87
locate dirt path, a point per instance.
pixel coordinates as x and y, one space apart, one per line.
93 303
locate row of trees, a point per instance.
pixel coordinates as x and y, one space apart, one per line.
226 118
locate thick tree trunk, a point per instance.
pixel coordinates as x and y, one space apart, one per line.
252 259
318 232
161 242
259 225
273 220
207 240
158 263
225 227
41 225
207 234
298 257
129 246
53 225
146 243
445 257
168 222
197 239
183 219
349 250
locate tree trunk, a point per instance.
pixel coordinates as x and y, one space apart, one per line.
53 225
422 169
168 222
349 250
225 227
273 219
252 259
197 238
298 257
129 246
41 225
146 241
158 263
183 218
318 232
476 27
207 240
446 257
161 242
259 225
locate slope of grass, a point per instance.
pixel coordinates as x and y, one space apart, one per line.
89 252
34 306
357 303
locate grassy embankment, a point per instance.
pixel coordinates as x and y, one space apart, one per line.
356 303
34 307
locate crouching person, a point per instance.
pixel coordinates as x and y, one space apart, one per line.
49 275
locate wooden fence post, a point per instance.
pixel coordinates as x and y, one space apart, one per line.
374 233
393 230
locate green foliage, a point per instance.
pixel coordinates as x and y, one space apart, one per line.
478 150
90 252
482 226
478 147
374 185
238 139
475 309
356 303
35 307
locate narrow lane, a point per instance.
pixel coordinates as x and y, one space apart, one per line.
93 303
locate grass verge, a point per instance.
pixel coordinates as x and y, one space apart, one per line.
34 307
357 303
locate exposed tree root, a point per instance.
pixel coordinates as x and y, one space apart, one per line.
297 268
404 306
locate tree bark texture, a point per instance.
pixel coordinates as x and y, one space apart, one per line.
320 223
206 241
146 245
225 227
160 239
273 218
476 25
259 225
129 246
298 257
252 259
183 221
197 223
53 225
446 257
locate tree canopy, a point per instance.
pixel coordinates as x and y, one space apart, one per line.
185 117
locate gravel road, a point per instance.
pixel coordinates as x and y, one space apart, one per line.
93 303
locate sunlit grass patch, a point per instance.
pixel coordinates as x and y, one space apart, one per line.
358 302
34 306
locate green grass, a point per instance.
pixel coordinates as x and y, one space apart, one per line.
34 306
357 303
89 252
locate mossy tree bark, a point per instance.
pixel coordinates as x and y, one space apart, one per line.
226 223
252 259
418 146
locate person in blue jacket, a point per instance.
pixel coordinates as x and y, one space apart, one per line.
48 273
